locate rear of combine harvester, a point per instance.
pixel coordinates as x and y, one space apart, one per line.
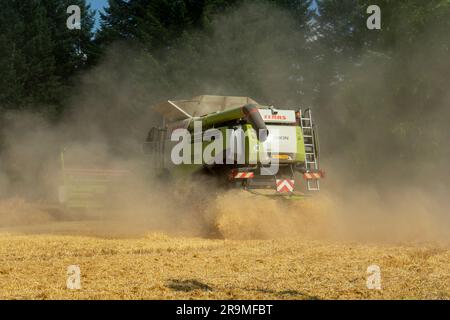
296 150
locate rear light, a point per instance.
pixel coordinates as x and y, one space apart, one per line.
281 156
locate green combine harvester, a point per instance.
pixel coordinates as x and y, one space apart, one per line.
287 138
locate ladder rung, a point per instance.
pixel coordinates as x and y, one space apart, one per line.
310 187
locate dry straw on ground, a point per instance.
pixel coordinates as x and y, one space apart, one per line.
157 266
261 249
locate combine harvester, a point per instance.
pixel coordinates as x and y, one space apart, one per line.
289 138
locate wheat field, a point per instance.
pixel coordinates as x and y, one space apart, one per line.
127 259
158 266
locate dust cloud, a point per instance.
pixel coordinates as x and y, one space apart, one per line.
383 182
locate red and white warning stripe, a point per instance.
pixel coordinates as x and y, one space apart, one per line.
285 185
243 175
312 175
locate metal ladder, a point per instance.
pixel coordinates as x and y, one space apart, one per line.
311 161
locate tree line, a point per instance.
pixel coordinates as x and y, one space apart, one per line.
286 52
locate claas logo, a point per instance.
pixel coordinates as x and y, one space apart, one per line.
275 117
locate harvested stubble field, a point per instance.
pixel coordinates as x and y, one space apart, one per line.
273 252
157 266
